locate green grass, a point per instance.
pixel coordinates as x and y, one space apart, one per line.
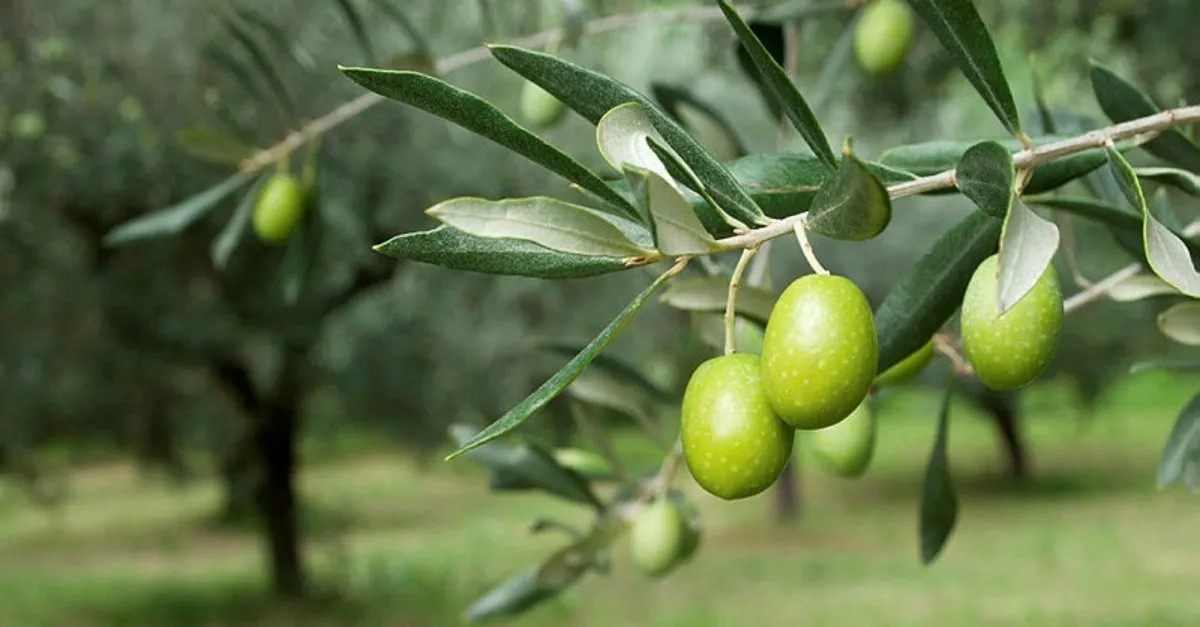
1089 542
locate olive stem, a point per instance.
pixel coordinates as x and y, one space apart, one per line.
798 227
1139 129
735 282
666 473
946 346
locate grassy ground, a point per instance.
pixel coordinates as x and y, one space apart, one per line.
1091 542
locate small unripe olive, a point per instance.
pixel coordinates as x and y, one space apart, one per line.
908 368
846 448
656 538
539 107
586 463
820 353
279 207
1010 351
734 445
883 36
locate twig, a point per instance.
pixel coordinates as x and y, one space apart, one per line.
353 108
735 282
1026 158
1099 290
946 345
798 226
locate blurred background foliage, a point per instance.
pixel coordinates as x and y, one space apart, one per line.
99 347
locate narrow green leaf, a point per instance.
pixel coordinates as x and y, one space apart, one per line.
263 64
176 218
677 231
299 257
451 248
1184 365
215 146
358 28
851 205
785 183
479 116
1180 449
545 221
1027 246
711 294
963 34
592 95
1166 252
531 465
986 176
1121 101
711 215
929 293
516 416
929 158
1092 209
794 106
701 120
225 242
1182 180
615 367
1139 287
939 503
1181 323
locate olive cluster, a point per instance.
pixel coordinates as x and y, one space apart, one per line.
818 365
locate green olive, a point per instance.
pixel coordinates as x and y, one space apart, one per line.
734 445
1010 351
908 368
820 353
539 107
656 538
846 448
279 207
586 463
883 35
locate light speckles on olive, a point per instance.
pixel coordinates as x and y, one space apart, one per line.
733 444
1010 351
820 353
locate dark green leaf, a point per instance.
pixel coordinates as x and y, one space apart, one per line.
1179 179
785 183
701 119
454 249
516 416
524 463
794 105
1027 246
355 21
516 595
1092 209
754 303
1181 446
613 366
1122 101
850 205
176 218
225 242
773 39
215 146
263 63
477 115
592 95
957 24
939 504
925 298
985 175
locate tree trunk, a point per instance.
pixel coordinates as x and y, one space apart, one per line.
787 493
277 502
1003 410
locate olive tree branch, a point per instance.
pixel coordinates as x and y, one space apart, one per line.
1142 129
353 108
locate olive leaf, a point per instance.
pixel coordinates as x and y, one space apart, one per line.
1121 101
1027 246
963 34
1181 323
712 294
177 217
613 366
227 240
711 214
553 386
479 116
850 205
529 465
1182 365
1139 287
591 95
621 137
929 293
939 503
1092 209
784 90
1166 252
986 176
214 146
677 230
545 221
701 120
785 183
1182 445
1182 180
